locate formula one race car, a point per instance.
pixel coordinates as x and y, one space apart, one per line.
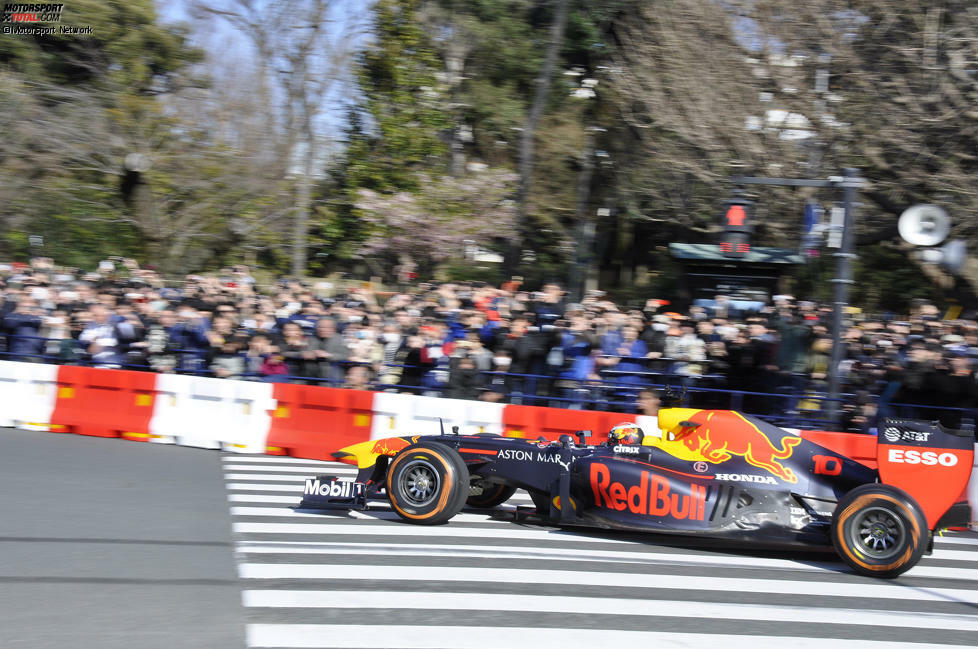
712 473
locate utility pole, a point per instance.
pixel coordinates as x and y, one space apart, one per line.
849 183
841 283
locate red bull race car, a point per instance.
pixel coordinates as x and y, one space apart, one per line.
712 473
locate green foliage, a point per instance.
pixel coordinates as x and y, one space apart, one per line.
126 50
404 100
79 105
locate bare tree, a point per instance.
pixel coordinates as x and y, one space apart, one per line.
139 164
301 53
690 97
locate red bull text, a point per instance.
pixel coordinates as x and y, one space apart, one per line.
652 496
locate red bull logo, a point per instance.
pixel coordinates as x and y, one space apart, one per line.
652 496
390 446
721 434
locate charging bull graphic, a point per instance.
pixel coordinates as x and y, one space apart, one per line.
720 434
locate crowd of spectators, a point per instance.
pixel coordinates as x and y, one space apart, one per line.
474 341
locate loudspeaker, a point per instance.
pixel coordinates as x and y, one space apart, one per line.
924 225
951 256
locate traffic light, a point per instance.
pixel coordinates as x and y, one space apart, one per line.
735 239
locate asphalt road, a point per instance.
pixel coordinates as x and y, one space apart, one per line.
110 544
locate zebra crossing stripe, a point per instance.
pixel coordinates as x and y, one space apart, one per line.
602 606
274 459
361 529
295 487
263 498
298 478
299 470
324 571
293 499
956 540
372 514
309 636
470 551
859 591
281 512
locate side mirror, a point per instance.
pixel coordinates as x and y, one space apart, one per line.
582 436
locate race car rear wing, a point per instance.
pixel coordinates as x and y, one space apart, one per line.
929 462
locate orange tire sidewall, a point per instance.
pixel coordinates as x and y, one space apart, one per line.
447 480
863 501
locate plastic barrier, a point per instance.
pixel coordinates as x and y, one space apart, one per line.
313 422
103 403
27 392
212 413
406 414
972 491
535 421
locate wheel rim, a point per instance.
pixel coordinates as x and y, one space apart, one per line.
419 482
878 533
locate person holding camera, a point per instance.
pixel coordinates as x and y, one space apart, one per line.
23 327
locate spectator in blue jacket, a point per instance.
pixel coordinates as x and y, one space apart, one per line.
576 343
189 336
23 327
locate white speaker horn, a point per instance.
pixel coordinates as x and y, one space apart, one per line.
954 254
924 225
951 256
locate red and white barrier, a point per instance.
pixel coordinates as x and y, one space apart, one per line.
407 414
973 493
27 394
211 413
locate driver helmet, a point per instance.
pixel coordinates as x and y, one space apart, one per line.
625 433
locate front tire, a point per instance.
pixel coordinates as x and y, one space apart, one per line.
879 530
427 483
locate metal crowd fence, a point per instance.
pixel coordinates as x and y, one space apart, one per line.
793 404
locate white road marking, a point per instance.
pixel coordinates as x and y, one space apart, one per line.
604 606
276 459
466 551
325 571
862 591
956 540
302 470
298 478
310 636
295 487
314 514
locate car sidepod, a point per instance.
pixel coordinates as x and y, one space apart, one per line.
646 489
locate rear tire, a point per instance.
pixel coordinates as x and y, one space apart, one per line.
879 530
491 496
427 483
